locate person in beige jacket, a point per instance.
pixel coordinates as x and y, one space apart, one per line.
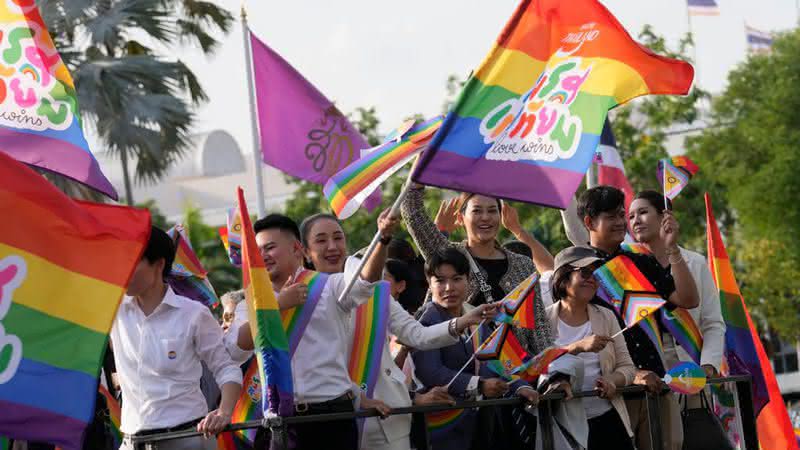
585 329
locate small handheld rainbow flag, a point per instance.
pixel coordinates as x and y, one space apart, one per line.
639 305
632 247
511 356
350 187
64 267
686 378
519 304
618 276
532 367
188 277
493 345
233 237
674 174
269 338
369 337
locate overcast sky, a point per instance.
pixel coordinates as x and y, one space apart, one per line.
397 56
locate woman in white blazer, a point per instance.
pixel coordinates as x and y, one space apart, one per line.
585 330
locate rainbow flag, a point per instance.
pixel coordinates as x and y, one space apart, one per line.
744 351
64 266
674 174
637 306
231 237
493 345
532 367
269 338
631 247
39 118
350 187
188 277
529 119
519 304
246 409
441 422
114 416
618 276
5 443
511 356
682 327
295 320
369 337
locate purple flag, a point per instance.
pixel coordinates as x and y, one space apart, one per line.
302 133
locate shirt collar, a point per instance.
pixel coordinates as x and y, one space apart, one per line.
170 298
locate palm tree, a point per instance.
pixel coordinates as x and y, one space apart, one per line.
133 92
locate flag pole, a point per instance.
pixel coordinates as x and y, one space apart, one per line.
664 187
248 57
695 63
375 239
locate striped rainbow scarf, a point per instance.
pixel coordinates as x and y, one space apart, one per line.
295 320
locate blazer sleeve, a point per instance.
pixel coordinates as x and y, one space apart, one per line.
416 335
429 240
430 366
624 363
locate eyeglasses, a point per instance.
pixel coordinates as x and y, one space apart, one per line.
586 272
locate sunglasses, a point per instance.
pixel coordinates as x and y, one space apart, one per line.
586 272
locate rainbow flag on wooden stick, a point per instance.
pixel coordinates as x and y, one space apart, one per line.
269 338
351 186
528 121
743 349
64 266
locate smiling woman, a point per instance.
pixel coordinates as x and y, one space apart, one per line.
324 243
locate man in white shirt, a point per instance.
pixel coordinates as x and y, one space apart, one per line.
159 341
319 364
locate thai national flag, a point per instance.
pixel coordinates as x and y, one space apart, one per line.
610 170
703 7
758 41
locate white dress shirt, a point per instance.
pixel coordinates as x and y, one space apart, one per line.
319 365
158 359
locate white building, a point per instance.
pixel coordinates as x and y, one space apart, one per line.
206 178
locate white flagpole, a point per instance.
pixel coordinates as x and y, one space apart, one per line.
372 245
248 57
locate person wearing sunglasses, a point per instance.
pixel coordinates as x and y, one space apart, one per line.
584 329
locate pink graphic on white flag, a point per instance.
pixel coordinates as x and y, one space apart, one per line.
302 132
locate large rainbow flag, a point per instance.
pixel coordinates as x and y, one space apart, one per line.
528 121
271 343
743 349
39 117
64 266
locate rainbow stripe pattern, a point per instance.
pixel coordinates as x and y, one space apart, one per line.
529 119
5 443
674 174
64 266
350 187
618 276
114 416
369 337
686 378
632 247
246 408
743 348
531 368
511 356
295 320
269 338
518 305
493 345
681 325
188 277
441 422
231 236
40 121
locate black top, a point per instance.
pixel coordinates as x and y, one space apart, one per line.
495 269
643 352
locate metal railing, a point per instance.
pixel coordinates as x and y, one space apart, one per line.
545 414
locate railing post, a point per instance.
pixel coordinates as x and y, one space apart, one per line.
744 391
419 432
546 424
654 420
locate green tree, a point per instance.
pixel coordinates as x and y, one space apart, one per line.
136 96
751 150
